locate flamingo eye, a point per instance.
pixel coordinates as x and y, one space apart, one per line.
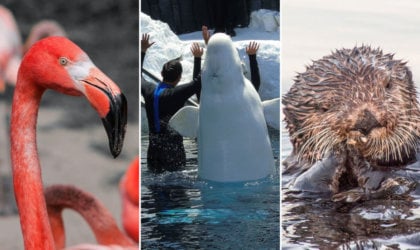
63 61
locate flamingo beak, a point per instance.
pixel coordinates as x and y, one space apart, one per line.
105 96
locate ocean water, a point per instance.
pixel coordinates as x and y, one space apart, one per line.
313 221
181 211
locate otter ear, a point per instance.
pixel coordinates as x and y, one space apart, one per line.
384 78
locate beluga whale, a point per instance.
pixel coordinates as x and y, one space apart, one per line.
233 141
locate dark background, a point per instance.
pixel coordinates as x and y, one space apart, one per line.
185 16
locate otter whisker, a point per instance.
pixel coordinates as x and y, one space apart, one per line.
396 150
406 134
404 147
312 143
408 140
306 129
408 143
307 146
324 146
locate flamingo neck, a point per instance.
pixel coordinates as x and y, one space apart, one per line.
26 168
100 220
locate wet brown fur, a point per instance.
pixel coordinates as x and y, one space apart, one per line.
358 105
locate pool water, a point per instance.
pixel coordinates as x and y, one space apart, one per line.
181 211
311 221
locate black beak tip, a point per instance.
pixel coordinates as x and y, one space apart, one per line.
115 153
115 124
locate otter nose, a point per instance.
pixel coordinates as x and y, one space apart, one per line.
366 122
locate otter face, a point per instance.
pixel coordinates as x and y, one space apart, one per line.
358 99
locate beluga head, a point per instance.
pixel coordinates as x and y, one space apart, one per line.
222 64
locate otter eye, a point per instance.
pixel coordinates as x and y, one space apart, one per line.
63 61
321 109
385 80
388 85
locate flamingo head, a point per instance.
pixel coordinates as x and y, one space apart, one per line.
59 64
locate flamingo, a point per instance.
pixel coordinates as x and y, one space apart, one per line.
59 64
100 220
42 29
129 189
11 48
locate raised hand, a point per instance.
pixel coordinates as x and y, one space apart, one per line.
206 34
145 43
252 48
196 50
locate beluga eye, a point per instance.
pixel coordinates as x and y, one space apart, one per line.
63 61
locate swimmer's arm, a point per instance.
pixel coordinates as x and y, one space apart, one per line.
143 54
181 93
197 67
146 87
145 44
255 72
197 52
251 50
196 75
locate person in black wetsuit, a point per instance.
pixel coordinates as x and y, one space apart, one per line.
162 101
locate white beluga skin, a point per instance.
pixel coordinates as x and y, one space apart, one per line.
233 138
233 141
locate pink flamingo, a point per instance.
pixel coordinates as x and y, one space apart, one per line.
54 63
43 29
129 189
100 220
59 197
11 48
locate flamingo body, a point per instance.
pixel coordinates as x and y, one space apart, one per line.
54 63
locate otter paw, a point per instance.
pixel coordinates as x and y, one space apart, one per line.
350 196
391 188
395 188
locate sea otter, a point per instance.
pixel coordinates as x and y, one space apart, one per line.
353 120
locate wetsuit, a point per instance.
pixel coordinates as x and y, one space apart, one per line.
255 72
166 148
